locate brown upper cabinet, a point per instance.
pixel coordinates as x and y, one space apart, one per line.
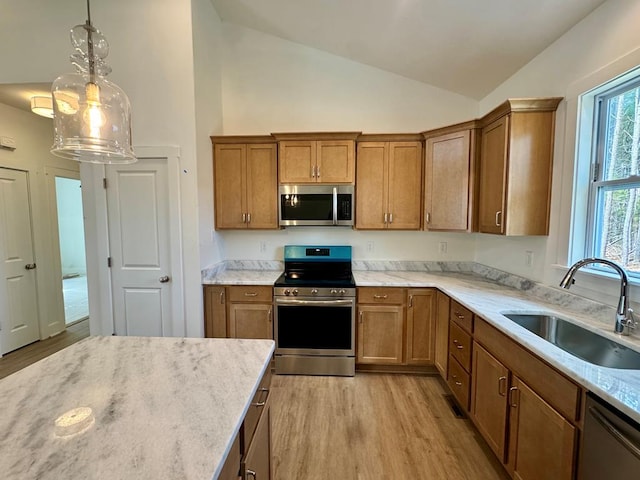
450 177
316 157
515 167
389 182
245 182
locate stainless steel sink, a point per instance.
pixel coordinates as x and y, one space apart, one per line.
578 341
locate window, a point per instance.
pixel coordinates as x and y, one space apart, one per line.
614 192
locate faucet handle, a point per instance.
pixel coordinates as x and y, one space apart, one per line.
630 322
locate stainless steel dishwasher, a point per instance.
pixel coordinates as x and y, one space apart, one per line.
611 443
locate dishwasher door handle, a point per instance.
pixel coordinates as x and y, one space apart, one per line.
615 433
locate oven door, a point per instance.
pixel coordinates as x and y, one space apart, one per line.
315 326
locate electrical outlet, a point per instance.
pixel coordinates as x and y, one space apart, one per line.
528 258
442 247
263 246
370 246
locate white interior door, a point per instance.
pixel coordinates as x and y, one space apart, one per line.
139 237
18 302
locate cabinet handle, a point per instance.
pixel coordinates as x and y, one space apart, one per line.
360 316
385 218
221 297
250 294
264 401
498 218
380 297
458 314
410 301
459 384
318 171
269 315
390 217
502 382
250 473
512 393
244 218
457 344
248 218
428 217
313 171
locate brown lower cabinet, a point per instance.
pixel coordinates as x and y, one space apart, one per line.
238 311
250 455
395 326
532 430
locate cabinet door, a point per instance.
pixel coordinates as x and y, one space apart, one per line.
250 320
380 333
372 194
297 161
442 334
335 161
215 316
262 186
229 174
421 327
489 386
493 168
446 182
405 185
541 441
256 464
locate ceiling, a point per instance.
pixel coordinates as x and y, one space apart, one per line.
465 46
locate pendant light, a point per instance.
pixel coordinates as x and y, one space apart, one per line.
92 116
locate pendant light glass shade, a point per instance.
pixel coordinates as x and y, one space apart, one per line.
92 116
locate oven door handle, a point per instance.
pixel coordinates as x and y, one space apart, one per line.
285 301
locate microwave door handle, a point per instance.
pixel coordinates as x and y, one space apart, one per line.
335 205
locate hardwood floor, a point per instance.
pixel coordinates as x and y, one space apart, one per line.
18 359
373 427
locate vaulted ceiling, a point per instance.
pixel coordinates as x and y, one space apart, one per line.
464 46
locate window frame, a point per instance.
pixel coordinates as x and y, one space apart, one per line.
598 185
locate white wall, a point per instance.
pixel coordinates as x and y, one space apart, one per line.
597 49
207 49
34 136
152 58
273 85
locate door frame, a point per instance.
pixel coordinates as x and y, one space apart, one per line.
56 259
94 200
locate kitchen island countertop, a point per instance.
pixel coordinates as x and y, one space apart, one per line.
165 408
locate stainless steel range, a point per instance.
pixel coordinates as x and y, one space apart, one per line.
314 323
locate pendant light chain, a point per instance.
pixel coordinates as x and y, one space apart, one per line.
92 61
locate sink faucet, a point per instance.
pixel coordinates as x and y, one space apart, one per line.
624 315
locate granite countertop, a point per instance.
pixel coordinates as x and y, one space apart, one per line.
165 408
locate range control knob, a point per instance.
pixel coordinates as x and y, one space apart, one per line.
295 292
333 291
287 292
342 291
314 291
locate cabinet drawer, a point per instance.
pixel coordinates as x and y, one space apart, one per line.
255 410
381 295
458 381
460 345
556 389
461 315
250 293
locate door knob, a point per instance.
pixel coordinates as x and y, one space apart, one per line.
30 266
164 279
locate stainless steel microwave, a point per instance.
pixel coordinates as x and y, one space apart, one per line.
316 205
